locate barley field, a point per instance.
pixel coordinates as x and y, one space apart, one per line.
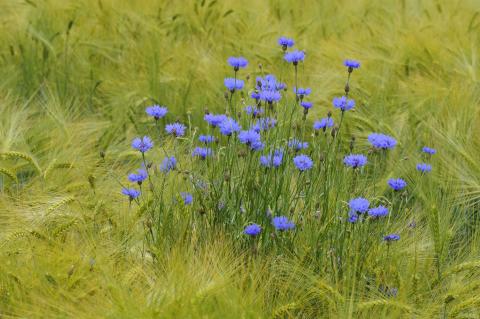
239 159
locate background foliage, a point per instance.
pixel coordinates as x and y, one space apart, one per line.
75 77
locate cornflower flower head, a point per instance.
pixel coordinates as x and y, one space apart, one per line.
175 129
391 237
131 193
254 111
376 212
142 144
323 123
306 105
202 152
187 198
297 145
214 119
168 164
274 159
139 177
229 126
355 160
252 230
285 43
382 141
251 138
343 103
302 92
303 162
233 84
156 111
267 83
264 124
270 96
255 95
294 57
282 223
359 205
352 217
281 86
237 62
397 184
207 139
351 64
424 167
428 150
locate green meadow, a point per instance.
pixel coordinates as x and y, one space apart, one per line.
76 78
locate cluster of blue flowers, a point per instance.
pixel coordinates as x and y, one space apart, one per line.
360 209
382 141
144 144
253 137
425 167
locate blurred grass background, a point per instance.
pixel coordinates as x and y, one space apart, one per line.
75 77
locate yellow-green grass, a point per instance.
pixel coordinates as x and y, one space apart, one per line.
75 77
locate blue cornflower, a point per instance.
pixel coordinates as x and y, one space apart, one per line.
391 237
343 103
294 57
131 193
270 96
269 83
156 111
377 212
359 205
142 144
139 177
428 150
424 167
168 164
303 162
301 92
323 123
282 223
273 159
251 138
355 160
252 230
264 124
253 110
207 139
382 141
175 129
214 119
237 62
187 198
297 145
202 152
229 126
280 86
351 64
285 42
306 105
233 84
397 184
255 95
352 217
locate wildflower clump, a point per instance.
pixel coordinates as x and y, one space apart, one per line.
258 169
